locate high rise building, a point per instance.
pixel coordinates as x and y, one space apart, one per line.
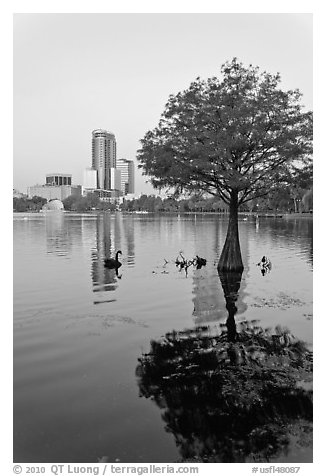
127 169
90 179
104 157
115 179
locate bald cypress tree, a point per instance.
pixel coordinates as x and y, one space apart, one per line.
230 137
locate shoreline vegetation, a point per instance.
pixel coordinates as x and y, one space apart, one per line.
292 215
197 204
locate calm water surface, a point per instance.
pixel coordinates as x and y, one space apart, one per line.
79 329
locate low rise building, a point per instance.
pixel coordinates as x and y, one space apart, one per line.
58 186
51 192
58 179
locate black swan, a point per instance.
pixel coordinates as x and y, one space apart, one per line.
113 263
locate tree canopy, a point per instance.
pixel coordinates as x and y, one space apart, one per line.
24 204
235 134
232 137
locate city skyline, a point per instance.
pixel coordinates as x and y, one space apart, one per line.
119 78
112 176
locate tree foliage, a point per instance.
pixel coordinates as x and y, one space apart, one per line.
291 192
235 134
24 204
197 203
83 204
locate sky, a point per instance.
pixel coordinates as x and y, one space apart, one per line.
75 72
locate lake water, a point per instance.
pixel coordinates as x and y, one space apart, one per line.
79 329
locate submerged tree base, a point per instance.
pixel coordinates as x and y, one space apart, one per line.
231 260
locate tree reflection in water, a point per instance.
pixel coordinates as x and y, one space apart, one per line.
228 394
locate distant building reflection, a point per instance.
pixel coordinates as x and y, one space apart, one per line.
129 239
60 234
113 233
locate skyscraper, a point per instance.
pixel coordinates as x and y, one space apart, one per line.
90 179
104 157
127 169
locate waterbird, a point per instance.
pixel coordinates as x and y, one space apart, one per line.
200 261
113 263
265 262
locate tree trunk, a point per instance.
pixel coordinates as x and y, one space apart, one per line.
295 205
230 259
